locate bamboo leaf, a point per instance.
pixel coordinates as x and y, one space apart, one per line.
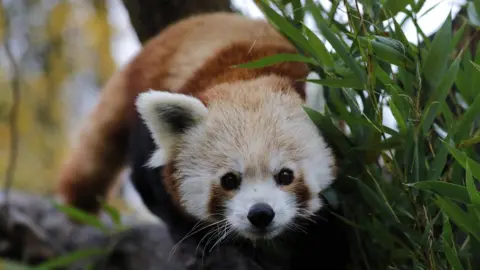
392 7
471 187
439 96
435 65
342 51
388 50
70 258
462 159
444 189
449 249
81 216
460 217
351 82
285 26
462 130
276 59
319 49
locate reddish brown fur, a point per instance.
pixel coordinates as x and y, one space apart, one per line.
171 62
301 191
216 205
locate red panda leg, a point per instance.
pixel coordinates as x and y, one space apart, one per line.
93 165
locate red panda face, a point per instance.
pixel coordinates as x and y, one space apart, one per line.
253 167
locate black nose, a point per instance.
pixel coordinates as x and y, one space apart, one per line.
260 215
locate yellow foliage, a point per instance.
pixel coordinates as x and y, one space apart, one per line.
42 118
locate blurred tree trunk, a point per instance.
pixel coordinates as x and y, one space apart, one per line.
148 17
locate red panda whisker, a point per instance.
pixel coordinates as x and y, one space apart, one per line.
213 231
216 234
227 229
191 233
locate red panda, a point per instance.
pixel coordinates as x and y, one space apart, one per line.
236 143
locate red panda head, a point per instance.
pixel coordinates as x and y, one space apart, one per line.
251 158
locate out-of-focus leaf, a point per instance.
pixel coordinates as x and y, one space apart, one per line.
113 213
81 216
70 258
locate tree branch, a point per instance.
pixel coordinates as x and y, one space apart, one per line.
13 118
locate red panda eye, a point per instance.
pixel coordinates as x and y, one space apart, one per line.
230 181
284 177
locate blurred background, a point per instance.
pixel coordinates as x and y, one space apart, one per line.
57 54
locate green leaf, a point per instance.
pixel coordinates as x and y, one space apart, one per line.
398 117
438 164
469 142
342 51
444 189
438 55
475 65
375 202
285 26
472 13
70 258
351 82
471 187
462 131
329 130
319 49
459 34
439 95
462 159
463 219
392 7
113 213
81 216
388 50
418 6
450 251
276 59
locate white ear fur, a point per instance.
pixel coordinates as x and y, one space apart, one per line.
167 115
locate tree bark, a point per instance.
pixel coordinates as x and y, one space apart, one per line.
149 17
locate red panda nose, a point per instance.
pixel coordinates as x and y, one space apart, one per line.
260 215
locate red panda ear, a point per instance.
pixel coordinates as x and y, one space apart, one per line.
168 115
